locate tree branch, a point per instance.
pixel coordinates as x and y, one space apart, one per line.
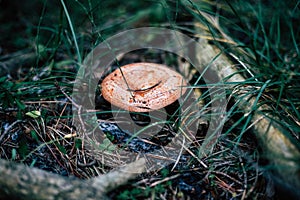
19 181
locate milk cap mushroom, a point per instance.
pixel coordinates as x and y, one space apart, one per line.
142 87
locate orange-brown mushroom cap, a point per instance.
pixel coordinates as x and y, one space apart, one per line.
149 87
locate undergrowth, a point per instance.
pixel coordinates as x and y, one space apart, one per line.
43 45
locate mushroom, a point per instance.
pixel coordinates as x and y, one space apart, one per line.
143 87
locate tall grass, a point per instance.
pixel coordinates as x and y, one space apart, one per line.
262 35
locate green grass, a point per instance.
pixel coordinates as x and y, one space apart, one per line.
264 36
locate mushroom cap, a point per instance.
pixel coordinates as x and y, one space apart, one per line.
150 86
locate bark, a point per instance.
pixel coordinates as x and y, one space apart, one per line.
22 182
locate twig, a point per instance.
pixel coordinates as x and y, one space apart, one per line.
164 180
245 178
8 128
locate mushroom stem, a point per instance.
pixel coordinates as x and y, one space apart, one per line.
141 119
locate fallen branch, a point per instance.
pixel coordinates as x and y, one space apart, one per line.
278 148
10 64
22 182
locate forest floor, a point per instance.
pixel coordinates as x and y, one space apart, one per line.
44 44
